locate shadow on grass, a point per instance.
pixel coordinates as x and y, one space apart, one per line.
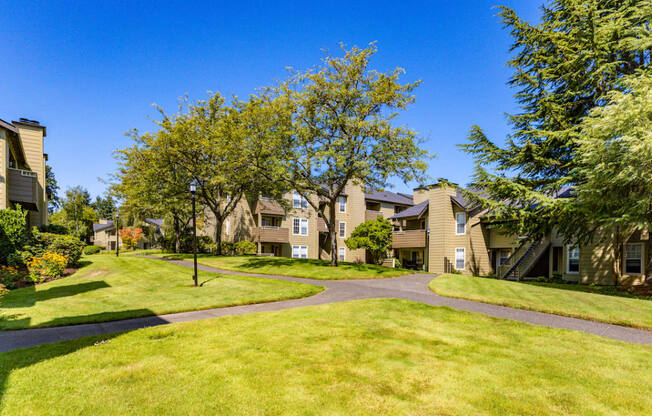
598 290
29 296
20 358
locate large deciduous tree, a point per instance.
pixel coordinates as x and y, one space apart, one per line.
563 68
334 126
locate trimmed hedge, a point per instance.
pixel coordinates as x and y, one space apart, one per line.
67 245
92 249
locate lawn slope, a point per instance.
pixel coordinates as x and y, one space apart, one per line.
567 300
362 357
110 288
285 266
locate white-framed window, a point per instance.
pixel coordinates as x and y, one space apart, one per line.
460 258
633 258
299 201
460 220
342 203
342 229
573 259
227 225
300 252
300 226
342 251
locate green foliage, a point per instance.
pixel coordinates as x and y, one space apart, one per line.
204 244
13 231
92 249
77 215
563 67
53 229
245 247
333 125
9 277
375 236
105 207
227 247
51 189
68 246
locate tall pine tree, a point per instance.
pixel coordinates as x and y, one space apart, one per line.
563 67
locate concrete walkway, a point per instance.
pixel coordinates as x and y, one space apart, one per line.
412 287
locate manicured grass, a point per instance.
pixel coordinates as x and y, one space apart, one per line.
110 288
598 304
285 266
362 357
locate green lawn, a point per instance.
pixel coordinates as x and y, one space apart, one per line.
306 268
604 304
109 288
361 357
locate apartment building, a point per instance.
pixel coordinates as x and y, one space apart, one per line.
104 234
22 169
443 232
298 231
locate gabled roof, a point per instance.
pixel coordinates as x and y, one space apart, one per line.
101 227
391 197
417 210
158 222
269 206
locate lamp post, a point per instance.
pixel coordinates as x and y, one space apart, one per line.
193 191
117 234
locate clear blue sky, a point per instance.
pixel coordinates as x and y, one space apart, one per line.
90 71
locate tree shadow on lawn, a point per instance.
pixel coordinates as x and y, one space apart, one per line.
17 359
29 296
597 290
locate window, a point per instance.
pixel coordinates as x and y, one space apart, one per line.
573 260
342 229
228 226
298 201
460 218
342 253
300 252
633 258
342 202
460 259
300 226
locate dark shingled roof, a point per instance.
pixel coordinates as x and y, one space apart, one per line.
154 221
102 227
391 197
415 211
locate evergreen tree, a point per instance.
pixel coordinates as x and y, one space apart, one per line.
564 67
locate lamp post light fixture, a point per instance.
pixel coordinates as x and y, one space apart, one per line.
193 191
117 234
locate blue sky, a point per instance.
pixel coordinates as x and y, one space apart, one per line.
90 71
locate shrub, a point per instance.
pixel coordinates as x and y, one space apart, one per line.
205 244
245 247
9 276
50 264
53 229
92 249
68 246
228 247
13 231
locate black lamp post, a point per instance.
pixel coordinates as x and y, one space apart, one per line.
193 191
117 234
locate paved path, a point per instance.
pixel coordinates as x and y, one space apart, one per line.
411 287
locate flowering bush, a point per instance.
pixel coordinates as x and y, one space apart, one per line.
9 276
50 264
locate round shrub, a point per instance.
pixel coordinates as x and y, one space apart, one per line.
50 264
68 246
245 247
92 249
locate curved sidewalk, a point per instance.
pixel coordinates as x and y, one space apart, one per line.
411 287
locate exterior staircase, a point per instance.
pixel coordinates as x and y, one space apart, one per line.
523 259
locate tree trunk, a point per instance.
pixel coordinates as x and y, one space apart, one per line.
332 232
617 261
218 235
177 235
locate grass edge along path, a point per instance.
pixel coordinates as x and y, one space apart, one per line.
566 300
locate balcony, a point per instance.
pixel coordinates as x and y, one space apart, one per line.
22 188
271 235
371 214
409 239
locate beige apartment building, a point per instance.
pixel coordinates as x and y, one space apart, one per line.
22 169
436 229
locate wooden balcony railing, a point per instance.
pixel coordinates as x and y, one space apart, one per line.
271 235
22 186
409 239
